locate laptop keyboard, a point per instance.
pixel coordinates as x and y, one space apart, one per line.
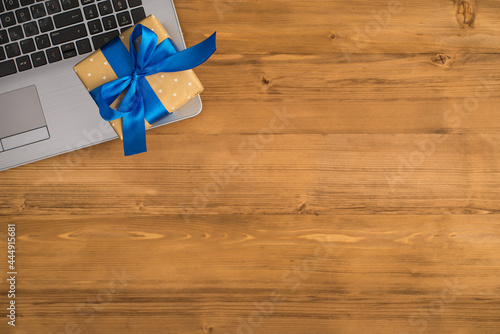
35 33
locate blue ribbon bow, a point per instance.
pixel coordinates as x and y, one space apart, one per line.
131 68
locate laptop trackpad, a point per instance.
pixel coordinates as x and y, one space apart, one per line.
21 119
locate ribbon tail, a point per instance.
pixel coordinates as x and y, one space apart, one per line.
186 59
134 132
154 110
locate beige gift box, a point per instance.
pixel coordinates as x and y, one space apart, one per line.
173 89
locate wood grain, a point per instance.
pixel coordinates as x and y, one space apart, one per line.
342 178
361 26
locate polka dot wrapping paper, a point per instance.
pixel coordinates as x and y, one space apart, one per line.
173 89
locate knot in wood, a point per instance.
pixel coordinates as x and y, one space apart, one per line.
440 59
466 12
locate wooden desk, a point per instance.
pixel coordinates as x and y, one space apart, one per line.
343 177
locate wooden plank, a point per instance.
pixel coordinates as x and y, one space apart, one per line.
361 26
371 94
333 273
271 174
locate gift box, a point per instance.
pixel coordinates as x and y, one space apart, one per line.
172 88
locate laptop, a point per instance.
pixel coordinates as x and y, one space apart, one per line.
44 108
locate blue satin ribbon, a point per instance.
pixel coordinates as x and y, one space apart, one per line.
131 68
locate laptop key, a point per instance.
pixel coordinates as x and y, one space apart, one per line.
38 59
2 9
53 6
7 67
124 19
102 39
38 11
105 7
134 3
90 12
46 24
15 33
27 2
119 5
95 27
23 15
109 22
83 46
23 63
42 41
68 34
28 45
68 18
69 54
53 55
67 47
2 54
69 4
86 2
11 4
30 29
3 37
12 50
138 14
8 19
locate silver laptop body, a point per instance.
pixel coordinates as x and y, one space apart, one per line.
46 111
